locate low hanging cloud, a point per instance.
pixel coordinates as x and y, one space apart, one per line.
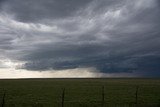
110 36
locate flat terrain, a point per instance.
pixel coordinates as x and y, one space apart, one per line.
80 92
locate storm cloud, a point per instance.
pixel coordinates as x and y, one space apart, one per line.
111 36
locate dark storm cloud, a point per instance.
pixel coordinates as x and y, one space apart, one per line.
35 10
110 35
1 1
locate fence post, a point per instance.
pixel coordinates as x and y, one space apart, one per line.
102 96
63 93
136 95
3 99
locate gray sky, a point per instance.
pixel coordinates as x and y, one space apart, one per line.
70 38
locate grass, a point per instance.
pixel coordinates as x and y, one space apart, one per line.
80 92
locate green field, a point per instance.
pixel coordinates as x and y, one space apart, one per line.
80 92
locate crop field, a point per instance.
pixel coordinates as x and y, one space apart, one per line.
80 92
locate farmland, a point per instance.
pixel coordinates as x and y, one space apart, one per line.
119 92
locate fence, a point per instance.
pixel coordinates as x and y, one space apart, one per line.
102 104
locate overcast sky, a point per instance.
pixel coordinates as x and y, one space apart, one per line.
79 38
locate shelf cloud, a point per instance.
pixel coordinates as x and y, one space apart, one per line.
112 37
